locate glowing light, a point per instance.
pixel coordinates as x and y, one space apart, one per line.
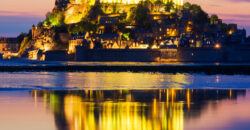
230 32
217 46
189 29
188 99
172 32
155 47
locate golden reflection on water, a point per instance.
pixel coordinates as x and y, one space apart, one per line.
112 80
162 109
122 115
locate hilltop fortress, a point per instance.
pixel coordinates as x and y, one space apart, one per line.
133 30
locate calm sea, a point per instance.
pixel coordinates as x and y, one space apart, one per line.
123 101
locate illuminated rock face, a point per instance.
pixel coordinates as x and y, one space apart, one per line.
76 10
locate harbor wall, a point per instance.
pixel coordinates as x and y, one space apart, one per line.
228 54
59 55
200 55
238 54
136 55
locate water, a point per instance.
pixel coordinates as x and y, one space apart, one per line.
175 109
121 80
117 101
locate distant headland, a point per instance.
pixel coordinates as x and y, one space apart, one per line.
130 30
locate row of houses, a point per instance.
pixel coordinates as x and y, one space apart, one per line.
9 47
166 29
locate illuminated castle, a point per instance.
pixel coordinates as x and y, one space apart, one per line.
177 2
75 10
63 4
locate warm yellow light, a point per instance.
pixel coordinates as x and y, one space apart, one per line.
172 32
190 22
155 47
230 32
188 29
192 41
217 46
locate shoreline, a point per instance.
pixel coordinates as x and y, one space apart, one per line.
210 69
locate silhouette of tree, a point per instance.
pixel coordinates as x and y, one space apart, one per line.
199 15
187 5
214 18
95 11
169 6
142 15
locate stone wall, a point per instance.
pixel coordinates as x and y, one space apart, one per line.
200 55
232 54
59 55
228 54
238 54
136 55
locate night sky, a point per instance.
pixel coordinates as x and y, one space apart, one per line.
17 16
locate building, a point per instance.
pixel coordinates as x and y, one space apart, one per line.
177 2
63 4
79 40
75 10
109 24
9 46
110 40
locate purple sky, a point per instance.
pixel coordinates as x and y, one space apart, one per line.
17 16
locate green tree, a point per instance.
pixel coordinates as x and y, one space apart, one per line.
95 11
198 14
21 36
40 24
115 8
186 5
213 19
224 27
131 15
142 16
54 19
169 6
82 27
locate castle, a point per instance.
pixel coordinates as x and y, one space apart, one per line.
75 10
63 4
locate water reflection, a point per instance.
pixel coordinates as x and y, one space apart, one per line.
123 80
159 109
